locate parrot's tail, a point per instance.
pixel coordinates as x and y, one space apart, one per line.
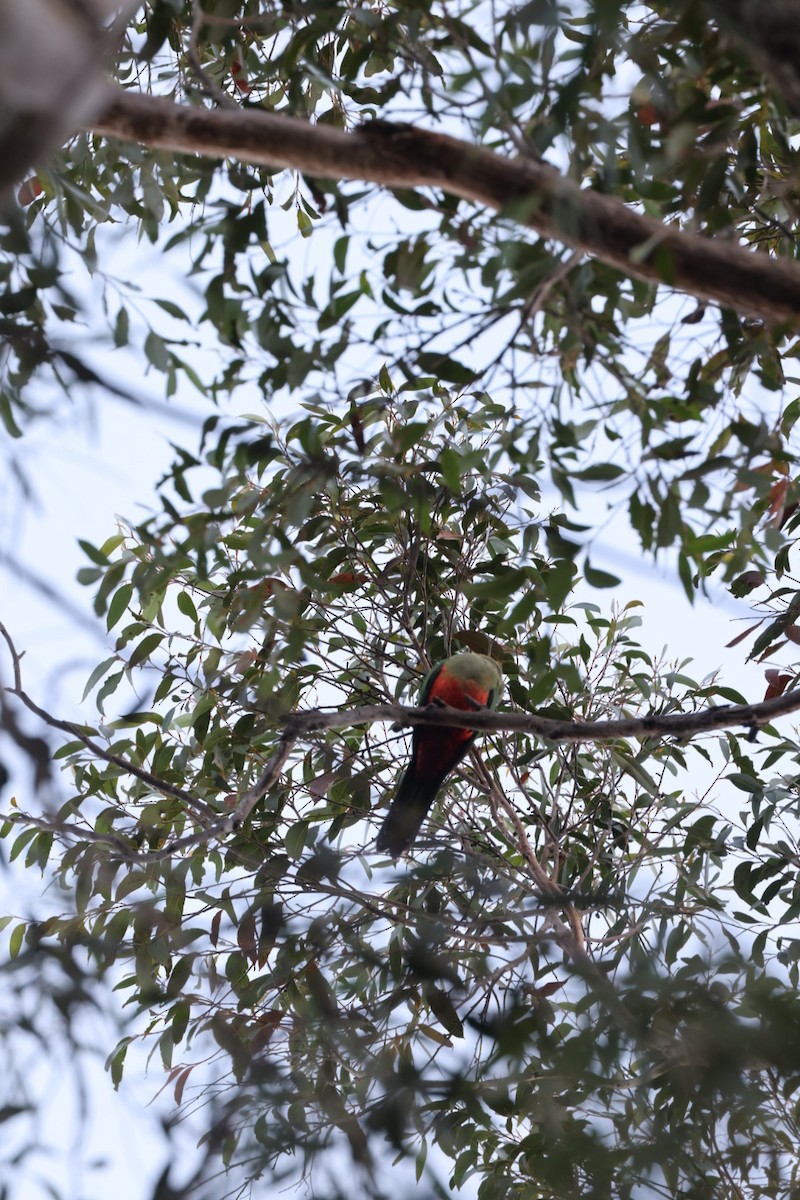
404 819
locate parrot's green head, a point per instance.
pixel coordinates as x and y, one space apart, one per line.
478 670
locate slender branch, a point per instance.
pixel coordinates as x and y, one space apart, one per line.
209 86
531 193
569 936
272 770
683 725
199 807
121 848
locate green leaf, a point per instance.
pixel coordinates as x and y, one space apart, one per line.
186 606
98 673
115 1063
599 579
122 327
93 553
145 648
7 416
119 604
173 309
15 941
156 351
442 1007
295 839
451 464
600 473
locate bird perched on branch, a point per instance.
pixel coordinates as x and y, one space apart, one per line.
465 681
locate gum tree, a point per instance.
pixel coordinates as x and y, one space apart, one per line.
528 265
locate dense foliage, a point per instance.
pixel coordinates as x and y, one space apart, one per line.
583 981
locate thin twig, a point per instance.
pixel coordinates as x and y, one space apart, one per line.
207 83
272 770
121 848
570 938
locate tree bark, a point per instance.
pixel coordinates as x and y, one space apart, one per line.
52 75
530 193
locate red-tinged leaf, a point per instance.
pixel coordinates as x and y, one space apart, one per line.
244 661
772 648
789 512
793 634
777 683
347 579
29 190
247 937
741 636
319 787
694 317
183 1075
435 1035
547 989
271 585
215 924
777 501
266 1023
747 582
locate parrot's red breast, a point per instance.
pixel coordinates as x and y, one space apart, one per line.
437 746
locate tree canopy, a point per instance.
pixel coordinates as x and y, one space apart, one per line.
483 275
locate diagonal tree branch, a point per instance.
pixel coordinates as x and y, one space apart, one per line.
531 193
201 810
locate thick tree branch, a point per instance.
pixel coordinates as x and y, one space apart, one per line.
531 193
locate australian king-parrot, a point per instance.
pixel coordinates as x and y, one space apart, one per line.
467 681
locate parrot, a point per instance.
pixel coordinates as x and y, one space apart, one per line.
468 681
